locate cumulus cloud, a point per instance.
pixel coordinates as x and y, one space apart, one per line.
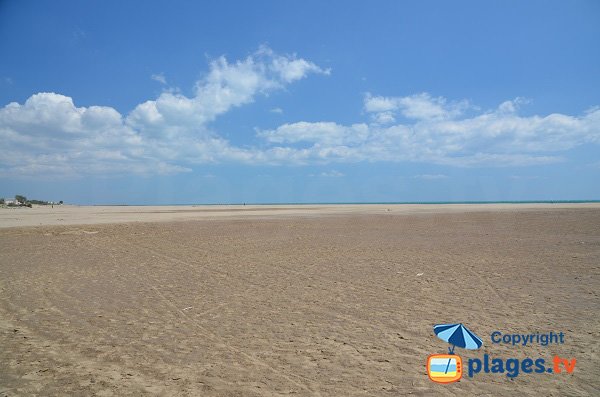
227 85
325 133
290 68
420 107
383 118
49 135
441 133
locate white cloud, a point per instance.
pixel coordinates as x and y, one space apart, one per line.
430 177
420 107
328 174
226 86
324 133
49 135
331 174
292 69
277 110
383 118
378 104
498 137
160 77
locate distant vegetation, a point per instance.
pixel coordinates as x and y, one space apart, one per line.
22 201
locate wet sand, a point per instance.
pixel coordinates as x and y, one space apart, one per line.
300 300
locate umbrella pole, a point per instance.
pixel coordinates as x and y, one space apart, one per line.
451 351
448 366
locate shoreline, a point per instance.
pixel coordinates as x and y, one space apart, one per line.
346 203
91 215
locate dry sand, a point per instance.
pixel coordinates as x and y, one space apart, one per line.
86 215
316 300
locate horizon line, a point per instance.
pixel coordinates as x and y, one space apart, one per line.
356 203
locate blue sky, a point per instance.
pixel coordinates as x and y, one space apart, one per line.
216 102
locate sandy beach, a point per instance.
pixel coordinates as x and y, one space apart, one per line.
323 300
93 215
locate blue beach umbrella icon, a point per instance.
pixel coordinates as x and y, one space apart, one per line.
457 335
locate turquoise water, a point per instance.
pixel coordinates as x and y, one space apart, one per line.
380 202
434 202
